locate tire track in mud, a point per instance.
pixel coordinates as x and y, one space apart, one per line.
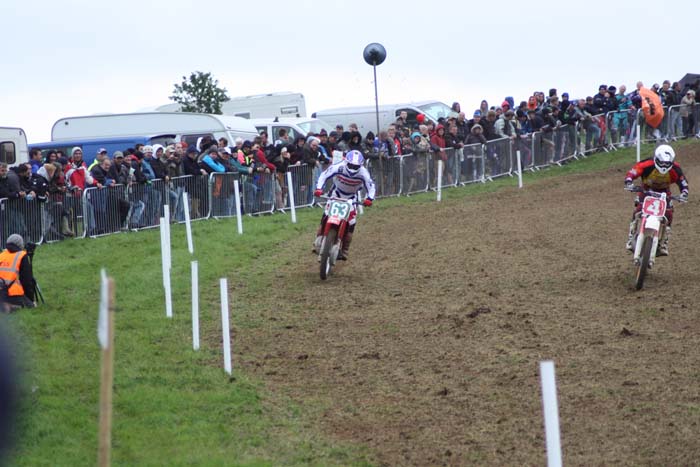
425 345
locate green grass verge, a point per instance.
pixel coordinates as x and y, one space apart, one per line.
172 405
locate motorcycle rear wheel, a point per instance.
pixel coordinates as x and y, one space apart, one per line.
643 262
327 246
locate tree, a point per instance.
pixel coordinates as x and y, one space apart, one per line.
199 93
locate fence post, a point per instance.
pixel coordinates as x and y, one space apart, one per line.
225 328
520 170
551 413
239 221
195 304
188 225
290 193
639 137
439 180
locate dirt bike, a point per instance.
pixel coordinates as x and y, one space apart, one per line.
338 213
651 224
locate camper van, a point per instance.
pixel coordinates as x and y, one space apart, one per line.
366 117
13 146
120 131
295 127
276 104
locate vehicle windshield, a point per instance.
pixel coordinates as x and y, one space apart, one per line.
435 110
315 126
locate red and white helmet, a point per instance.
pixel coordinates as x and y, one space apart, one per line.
354 160
664 156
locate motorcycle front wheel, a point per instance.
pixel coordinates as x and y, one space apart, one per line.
643 262
326 247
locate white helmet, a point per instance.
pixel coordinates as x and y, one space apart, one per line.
664 156
354 160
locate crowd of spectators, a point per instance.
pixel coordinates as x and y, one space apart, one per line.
62 178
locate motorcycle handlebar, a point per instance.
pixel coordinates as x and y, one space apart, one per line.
326 197
639 189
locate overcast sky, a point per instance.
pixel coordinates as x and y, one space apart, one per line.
79 57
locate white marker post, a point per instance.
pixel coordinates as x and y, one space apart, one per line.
166 268
290 192
195 304
105 335
188 225
239 220
520 170
639 141
166 216
360 199
225 329
439 180
551 413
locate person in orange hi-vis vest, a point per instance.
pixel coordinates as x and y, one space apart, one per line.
16 278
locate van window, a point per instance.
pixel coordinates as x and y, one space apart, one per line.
7 152
293 134
191 140
411 120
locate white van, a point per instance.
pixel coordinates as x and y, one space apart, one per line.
13 146
271 105
176 126
366 119
295 127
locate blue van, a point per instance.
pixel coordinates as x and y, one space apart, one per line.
91 146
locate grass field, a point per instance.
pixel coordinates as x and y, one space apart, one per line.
172 405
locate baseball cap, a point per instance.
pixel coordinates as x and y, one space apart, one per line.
477 113
225 150
118 155
102 151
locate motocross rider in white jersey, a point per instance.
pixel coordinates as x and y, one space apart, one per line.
349 177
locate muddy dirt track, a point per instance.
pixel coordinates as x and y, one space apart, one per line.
425 345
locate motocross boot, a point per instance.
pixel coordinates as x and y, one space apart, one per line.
631 235
343 254
319 239
663 244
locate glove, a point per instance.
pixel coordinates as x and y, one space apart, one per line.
629 185
367 202
317 193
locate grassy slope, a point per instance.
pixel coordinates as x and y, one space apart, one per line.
173 405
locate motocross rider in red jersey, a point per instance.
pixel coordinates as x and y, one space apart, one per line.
657 173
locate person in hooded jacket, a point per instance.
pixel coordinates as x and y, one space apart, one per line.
474 153
439 144
355 143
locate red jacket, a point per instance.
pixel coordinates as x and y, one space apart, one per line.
652 179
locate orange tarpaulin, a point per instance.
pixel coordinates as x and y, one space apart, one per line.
651 107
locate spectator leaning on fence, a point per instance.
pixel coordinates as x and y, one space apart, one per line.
9 183
77 174
687 116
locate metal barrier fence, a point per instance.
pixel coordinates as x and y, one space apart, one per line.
303 178
471 164
145 204
103 211
450 167
22 217
415 173
222 194
107 210
498 158
197 189
258 192
386 173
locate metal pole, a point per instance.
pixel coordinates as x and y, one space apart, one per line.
376 97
